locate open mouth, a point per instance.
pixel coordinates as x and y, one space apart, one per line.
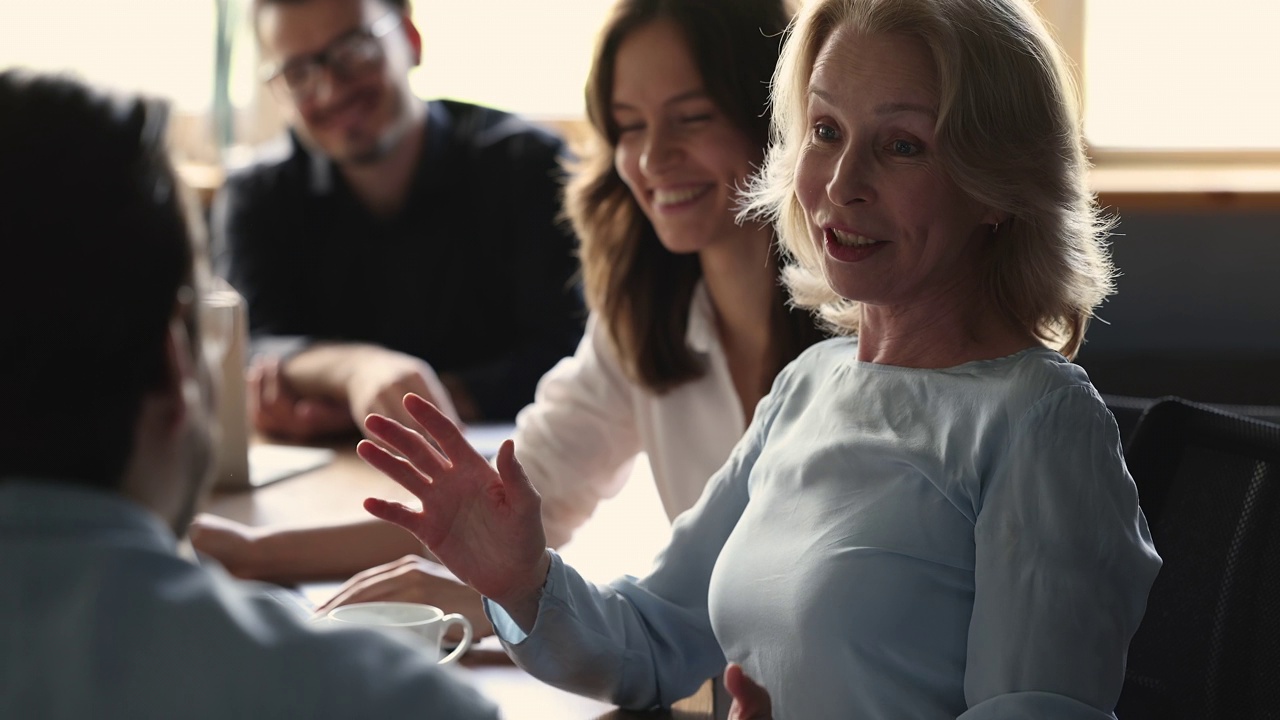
850 246
850 239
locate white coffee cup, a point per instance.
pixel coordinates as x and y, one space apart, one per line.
422 625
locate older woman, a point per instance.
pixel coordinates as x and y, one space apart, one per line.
929 518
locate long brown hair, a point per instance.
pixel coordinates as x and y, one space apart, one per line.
640 290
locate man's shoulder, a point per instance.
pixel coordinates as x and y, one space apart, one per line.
254 648
486 129
277 164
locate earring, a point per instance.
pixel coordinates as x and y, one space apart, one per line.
995 228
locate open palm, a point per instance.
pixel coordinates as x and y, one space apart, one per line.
483 524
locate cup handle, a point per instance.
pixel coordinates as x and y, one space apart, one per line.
465 644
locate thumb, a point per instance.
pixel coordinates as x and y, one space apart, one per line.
750 701
512 473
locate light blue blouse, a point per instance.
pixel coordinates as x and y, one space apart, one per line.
884 542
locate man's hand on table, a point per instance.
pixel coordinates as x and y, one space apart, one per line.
329 388
277 411
380 380
413 579
750 701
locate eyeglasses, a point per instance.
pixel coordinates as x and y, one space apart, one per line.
351 56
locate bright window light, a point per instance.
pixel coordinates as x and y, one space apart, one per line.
1181 75
529 56
160 47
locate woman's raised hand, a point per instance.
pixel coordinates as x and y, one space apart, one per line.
485 525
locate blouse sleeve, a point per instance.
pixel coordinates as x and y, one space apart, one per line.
642 643
1064 562
578 439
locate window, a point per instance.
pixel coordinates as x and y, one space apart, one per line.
1163 76
159 47
1155 75
529 57
163 47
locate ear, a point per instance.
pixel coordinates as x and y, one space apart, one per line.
995 217
181 385
414 37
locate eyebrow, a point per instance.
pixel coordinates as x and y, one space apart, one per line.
303 58
697 94
889 108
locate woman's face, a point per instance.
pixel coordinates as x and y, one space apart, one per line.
891 227
679 154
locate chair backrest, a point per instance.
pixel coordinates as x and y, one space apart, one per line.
1209 644
1127 410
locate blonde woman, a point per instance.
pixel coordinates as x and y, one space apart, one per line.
928 518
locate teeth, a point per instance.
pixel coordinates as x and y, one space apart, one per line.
851 240
673 197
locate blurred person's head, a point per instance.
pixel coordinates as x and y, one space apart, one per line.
102 380
677 98
1003 133
341 70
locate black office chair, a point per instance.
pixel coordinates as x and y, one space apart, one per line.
1209 645
1127 410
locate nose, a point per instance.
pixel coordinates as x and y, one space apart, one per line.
660 152
852 178
325 86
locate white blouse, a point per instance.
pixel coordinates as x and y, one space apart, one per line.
588 421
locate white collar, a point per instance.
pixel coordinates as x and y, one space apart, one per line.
700 335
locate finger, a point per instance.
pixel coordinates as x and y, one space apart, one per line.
750 701
274 408
370 592
265 415
253 388
394 409
434 391
354 590
377 571
393 512
270 378
513 475
406 442
388 402
439 426
398 469
319 417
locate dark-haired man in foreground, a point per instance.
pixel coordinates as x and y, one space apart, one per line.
105 444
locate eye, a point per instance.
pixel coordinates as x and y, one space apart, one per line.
823 132
695 119
905 148
297 73
628 128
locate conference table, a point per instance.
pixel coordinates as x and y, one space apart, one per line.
631 527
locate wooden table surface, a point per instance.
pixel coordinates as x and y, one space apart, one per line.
631 526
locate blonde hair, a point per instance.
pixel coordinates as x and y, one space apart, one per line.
1008 134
